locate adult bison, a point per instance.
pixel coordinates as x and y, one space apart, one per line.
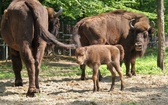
24 28
129 29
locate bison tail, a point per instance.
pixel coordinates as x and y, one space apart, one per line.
120 47
42 32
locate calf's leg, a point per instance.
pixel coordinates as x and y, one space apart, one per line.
17 67
113 75
83 77
118 69
100 76
95 78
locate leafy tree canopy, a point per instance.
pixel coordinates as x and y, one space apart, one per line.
77 9
83 8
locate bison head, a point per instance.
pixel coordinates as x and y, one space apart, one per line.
81 55
141 32
54 20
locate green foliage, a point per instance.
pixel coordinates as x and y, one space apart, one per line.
77 9
82 8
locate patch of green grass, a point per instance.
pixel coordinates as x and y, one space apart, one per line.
5 70
148 63
4 75
47 70
144 65
130 103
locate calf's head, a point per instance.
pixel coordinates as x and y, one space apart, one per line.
141 31
81 55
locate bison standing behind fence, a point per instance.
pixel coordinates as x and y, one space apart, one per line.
129 29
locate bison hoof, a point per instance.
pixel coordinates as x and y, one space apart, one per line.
38 91
133 73
31 92
95 89
18 83
129 75
83 78
100 77
98 88
111 89
122 88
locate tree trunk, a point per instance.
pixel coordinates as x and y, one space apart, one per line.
161 36
0 10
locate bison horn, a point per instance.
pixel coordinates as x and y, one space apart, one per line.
152 23
131 23
59 12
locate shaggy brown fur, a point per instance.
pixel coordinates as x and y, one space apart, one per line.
24 27
129 29
95 55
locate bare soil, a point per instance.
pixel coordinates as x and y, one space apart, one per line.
65 90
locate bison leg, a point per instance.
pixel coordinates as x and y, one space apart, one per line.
133 60
29 61
127 64
95 78
118 69
100 76
82 67
17 67
38 55
36 75
83 77
113 75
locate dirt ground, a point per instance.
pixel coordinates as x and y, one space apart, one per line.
64 90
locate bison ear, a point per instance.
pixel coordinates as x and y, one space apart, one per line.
151 30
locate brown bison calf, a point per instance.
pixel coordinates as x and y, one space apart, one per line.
95 55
